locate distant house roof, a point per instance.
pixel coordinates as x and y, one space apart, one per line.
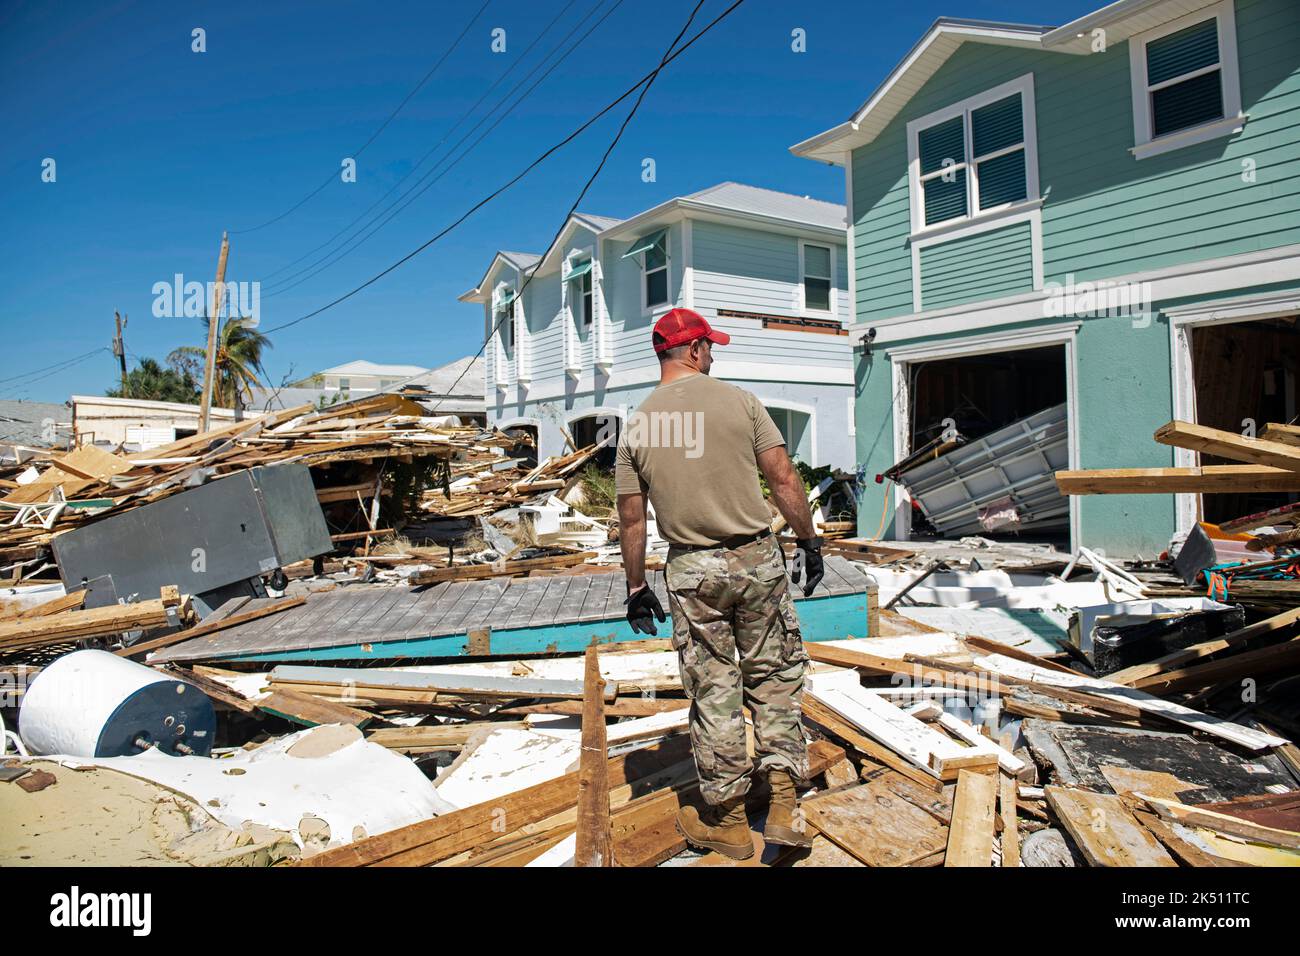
373 368
738 197
24 423
454 387
730 199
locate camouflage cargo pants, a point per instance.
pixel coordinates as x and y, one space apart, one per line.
729 604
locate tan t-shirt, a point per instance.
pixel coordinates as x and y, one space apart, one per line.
692 446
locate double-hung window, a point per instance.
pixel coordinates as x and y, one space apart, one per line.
974 158
653 250
816 278
1185 84
578 272
505 319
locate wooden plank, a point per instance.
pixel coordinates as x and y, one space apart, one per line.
94 622
911 739
1104 830
1010 822
439 682
1208 479
1231 445
212 627
1222 823
470 572
970 838
871 822
823 716
1284 434
1283 514
311 711
437 737
1019 672
594 836
69 602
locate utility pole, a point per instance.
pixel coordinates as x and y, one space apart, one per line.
119 349
214 317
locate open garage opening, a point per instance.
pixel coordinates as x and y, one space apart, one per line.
985 433
1245 376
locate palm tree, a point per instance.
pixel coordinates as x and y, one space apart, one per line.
238 361
151 382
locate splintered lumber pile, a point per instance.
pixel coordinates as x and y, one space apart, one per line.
60 627
490 490
90 482
1132 779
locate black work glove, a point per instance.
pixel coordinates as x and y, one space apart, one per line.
642 608
808 564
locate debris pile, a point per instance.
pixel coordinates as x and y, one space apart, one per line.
483 702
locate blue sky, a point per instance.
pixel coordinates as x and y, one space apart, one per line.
158 148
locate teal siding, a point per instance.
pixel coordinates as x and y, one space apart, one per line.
984 266
1106 214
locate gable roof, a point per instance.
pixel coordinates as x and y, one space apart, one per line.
1120 20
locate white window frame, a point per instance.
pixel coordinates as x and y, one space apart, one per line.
1230 78
803 279
1024 85
667 304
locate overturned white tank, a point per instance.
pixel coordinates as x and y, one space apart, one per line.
95 704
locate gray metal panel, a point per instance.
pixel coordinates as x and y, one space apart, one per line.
200 540
297 529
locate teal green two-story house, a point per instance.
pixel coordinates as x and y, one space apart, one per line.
1104 215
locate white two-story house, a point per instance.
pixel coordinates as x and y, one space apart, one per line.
571 356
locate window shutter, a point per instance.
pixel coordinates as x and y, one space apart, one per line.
1002 180
1186 104
1183 52
943 141
997 126
945 200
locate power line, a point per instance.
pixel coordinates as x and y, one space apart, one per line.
529 168
417 190
49 371
375 135
57 366
599 166
464 116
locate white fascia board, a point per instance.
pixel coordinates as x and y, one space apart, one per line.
830 146
1120 20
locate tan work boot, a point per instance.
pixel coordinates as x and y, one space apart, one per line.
784 825
723 828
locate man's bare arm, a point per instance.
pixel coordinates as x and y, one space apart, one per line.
631 538
787 490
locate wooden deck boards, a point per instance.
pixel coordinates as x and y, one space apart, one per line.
355 614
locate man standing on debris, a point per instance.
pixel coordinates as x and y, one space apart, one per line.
695 447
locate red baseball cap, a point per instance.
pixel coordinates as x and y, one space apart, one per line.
680 326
